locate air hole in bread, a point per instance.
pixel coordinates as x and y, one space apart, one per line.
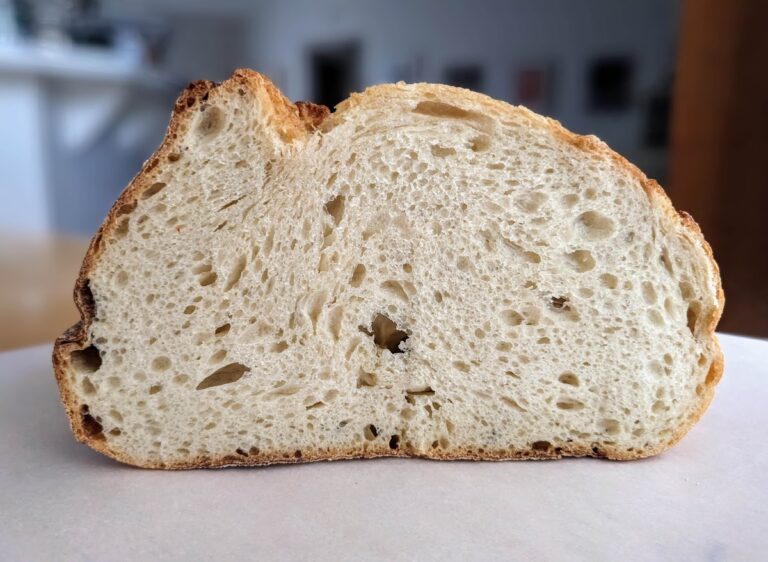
395 289
335 208
610 426
211 122
581 260
279 347
88 388
659 406
152 190
569 404
541 445
222 330
512 403
655 317
283 389
530 202
441 151
227 374
366 379
512 317
669 307
232 202
569 200
207 278
440 109
218 356
92 428
386 334
237 271
569 379
269 242
316 404
461 366
667 262
86 360
394 442
559 303
692 316
161 364
686 290
531 314
595 225
316 304
649 293
155 388
335 318
608 280
370 432
480 143
122 227
420 391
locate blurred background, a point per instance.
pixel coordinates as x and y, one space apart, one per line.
86 86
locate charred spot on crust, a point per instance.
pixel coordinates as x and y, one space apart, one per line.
312 114
84 298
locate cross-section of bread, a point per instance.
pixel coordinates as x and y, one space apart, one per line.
425 272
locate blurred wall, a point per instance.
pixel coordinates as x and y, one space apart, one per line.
429 36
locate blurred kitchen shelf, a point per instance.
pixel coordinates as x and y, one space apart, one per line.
84 119
77 63
38 274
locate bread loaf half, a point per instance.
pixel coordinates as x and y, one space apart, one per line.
424 272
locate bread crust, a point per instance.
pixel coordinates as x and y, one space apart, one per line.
291 122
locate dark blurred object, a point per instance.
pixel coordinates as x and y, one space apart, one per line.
610 84
81 22
719 147
23 15
466 76
657 120
47 19
335 72
535 87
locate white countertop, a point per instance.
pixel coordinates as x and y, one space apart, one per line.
706 499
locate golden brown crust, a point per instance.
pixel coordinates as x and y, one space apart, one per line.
294 121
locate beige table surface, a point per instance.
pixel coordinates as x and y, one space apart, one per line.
37 274
706 499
